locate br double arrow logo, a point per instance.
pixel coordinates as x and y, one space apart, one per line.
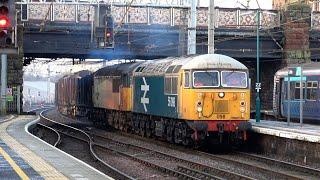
145 89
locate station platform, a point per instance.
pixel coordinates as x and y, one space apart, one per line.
306 132
24 156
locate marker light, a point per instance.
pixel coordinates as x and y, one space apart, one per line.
221 94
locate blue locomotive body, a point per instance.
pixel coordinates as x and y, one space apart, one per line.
150 98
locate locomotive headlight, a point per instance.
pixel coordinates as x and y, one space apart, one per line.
199 109
221 94
199 106
242 109
242 103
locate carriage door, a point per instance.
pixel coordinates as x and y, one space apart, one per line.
281 96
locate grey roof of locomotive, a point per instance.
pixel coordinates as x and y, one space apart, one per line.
117 69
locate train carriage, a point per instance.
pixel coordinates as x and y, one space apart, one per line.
311 93
62 100
83 92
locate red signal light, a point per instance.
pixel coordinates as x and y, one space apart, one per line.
108 34
4 22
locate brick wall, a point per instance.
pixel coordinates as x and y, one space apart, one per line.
268 69
296 25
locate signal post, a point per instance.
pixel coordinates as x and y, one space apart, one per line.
7 44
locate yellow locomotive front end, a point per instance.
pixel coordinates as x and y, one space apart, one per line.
215 97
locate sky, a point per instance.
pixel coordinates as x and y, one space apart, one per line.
264 4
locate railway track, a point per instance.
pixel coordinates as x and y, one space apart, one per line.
179 166
83 136
58 141
181 172
173 166
184 168
279 163
259 169
194 168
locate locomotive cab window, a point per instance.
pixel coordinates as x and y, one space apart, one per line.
236 79
205 79
187 79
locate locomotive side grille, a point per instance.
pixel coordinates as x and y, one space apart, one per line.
221 106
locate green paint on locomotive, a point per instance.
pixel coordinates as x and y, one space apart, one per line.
149 97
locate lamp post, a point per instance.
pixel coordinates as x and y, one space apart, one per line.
258 83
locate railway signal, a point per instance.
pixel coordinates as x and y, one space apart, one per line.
109 34
7 20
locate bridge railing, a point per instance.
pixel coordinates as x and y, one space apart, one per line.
149 15
315 20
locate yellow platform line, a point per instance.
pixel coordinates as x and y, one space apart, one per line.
13 164
43 168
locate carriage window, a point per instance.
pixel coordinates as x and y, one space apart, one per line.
312 87
297 90
170 85
205 79
187 79
234 79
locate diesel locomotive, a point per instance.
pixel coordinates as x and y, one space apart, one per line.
184 100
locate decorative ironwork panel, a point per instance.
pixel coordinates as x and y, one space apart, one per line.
160 16
152 2
138 15
118 13
315 22
227 18
66 12
180 16
202 17
39 11
248 19
85 13
270 19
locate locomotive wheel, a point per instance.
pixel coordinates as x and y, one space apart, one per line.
170 132
148 129
136 124
177 133
142 127
186 136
